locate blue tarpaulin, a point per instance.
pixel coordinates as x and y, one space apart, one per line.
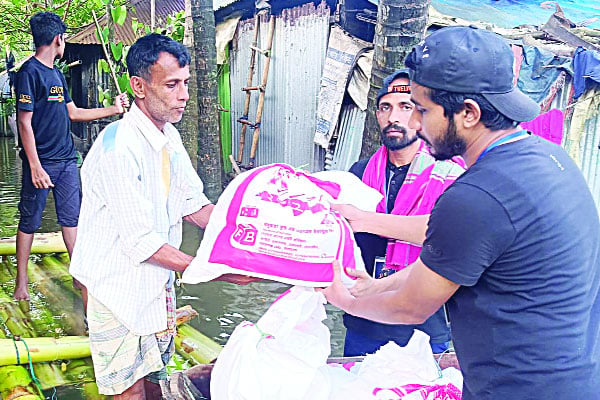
512 13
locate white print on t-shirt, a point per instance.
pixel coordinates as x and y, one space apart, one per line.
557 162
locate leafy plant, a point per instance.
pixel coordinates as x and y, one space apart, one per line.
174 28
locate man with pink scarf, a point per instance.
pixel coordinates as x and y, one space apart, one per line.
410 181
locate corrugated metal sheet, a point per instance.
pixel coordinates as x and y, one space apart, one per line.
349 138
139 9
288 120
585 151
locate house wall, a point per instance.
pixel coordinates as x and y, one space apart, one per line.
83 80
289 115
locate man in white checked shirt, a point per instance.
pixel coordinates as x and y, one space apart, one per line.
138 185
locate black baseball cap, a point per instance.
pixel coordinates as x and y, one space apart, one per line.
465 59
385 86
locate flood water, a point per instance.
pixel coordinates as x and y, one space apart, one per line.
221 306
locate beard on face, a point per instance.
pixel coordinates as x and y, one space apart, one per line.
394 143
449 145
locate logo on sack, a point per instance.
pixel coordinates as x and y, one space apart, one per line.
299 203
56 94
25 98
245 234
250 212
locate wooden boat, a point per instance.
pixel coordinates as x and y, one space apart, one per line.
194 383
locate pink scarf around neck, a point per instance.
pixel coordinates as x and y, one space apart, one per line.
425 181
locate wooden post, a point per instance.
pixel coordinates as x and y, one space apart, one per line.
248 93
261 98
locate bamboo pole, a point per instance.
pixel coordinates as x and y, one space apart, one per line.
43 349
261 96
60 302
194 346
248 93
16 384
20 324
42 243
108 61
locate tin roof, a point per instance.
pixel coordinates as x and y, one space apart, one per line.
139 9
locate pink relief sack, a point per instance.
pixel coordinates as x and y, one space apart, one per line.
275 223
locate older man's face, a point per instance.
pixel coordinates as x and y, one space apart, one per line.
166 92
393 115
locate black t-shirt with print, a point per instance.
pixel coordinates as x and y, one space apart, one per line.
44 91
519 232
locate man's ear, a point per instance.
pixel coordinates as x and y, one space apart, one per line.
138 86
471 113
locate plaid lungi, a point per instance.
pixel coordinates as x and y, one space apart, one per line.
120 357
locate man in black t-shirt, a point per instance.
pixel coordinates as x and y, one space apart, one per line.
44 112
512 245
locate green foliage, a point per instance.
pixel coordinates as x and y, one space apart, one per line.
174 28
116 50
118 14
103 66
7 107
15 32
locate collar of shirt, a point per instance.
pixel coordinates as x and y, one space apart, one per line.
153 135
394 169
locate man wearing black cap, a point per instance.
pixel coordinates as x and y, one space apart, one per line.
512 245
410 180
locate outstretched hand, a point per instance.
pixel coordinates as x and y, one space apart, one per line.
337 294
353 215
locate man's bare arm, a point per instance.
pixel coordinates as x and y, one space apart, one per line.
171 258
77 114
39 177
409 228
200 218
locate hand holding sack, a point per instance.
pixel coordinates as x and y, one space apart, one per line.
276 223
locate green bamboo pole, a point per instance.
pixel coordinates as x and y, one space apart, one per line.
60 302
44 349
58 270
14 318
42 243
6 273
194 346
16 384
90 392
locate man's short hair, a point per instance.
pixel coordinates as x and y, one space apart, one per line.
44 28
146 50
387 81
